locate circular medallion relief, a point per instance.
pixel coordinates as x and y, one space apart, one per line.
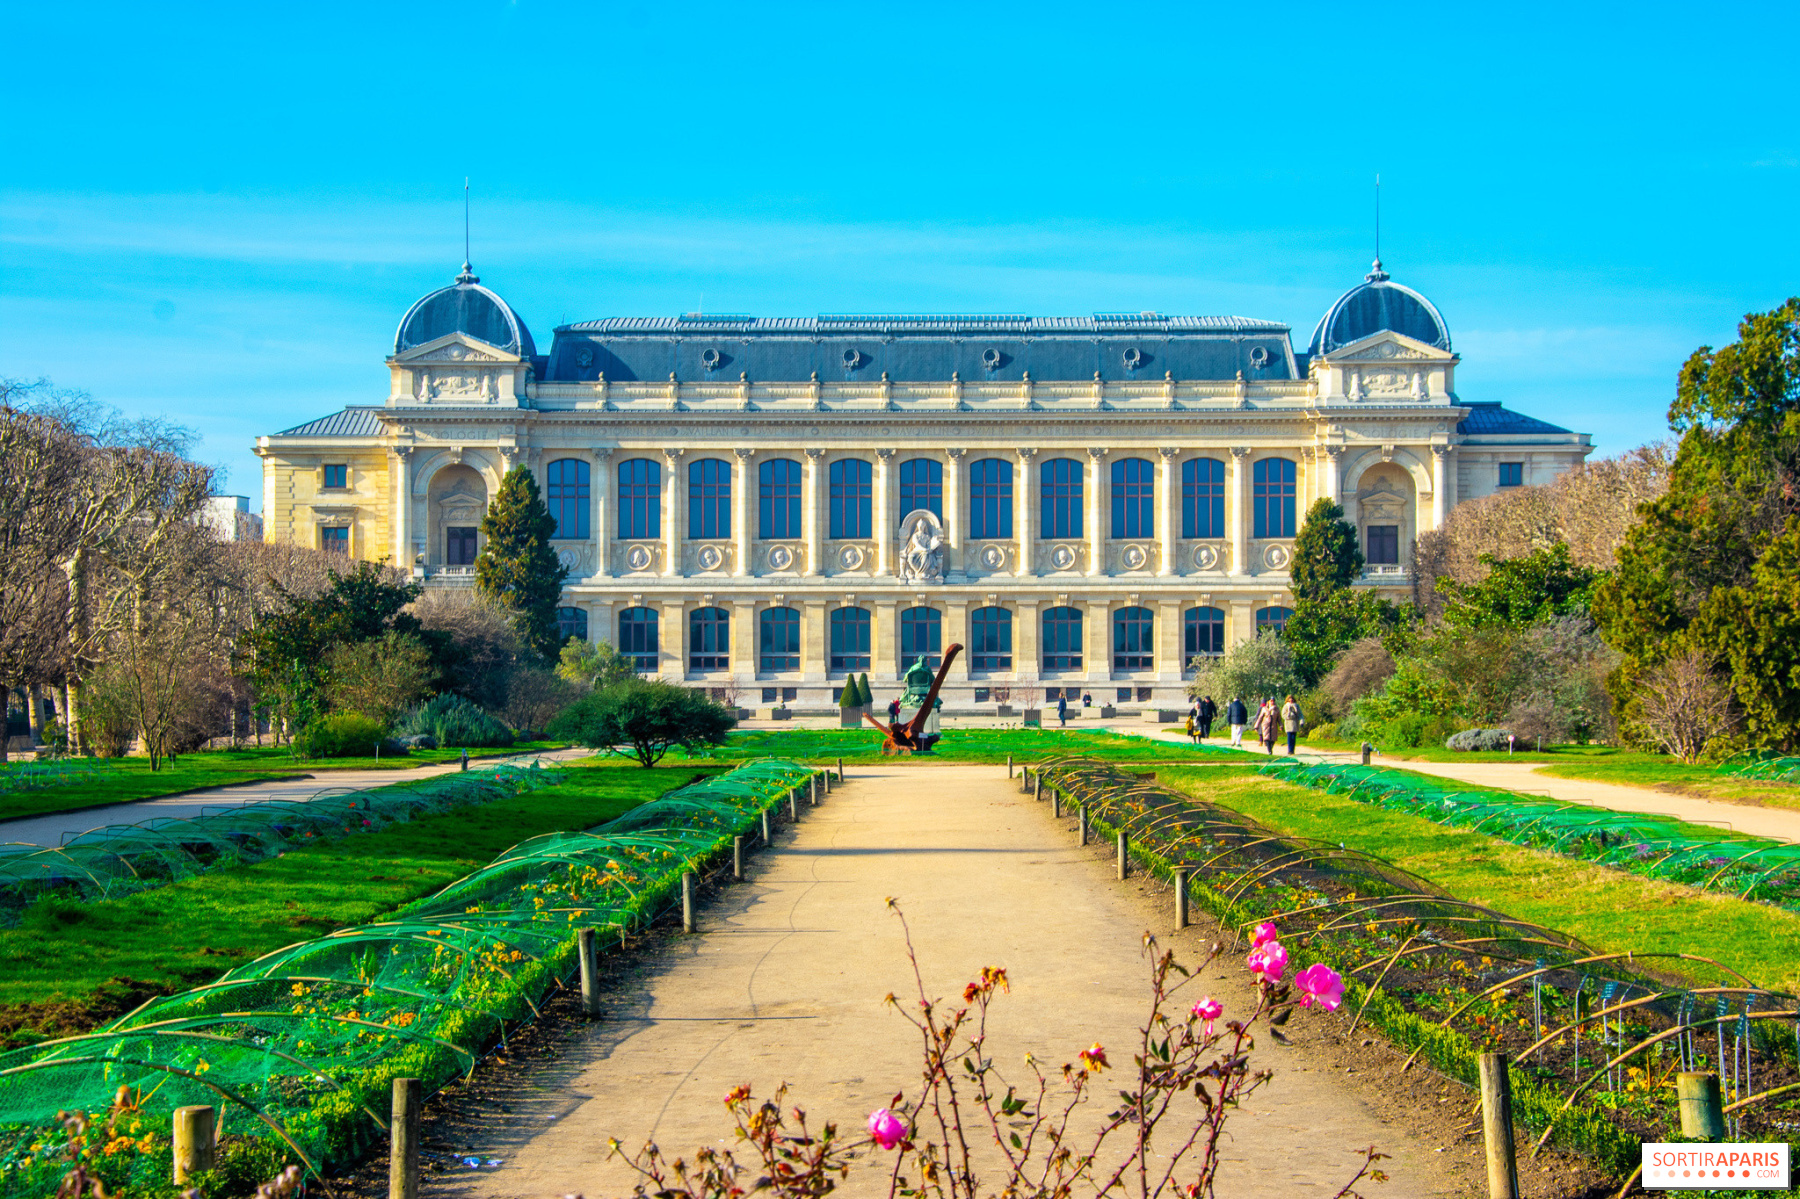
1206 557
780 557
638 557
1277 557
710 557
850 557
1063 557
993 557
1134 557
567 558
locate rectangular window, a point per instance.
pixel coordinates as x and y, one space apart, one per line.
922 486
1203 498
709 499
1060 486
981 695
459 546
337 475
780 639
1512 474
1133 498
1384 545
771 694
779 507
1123 693
640 500
990 499
336 540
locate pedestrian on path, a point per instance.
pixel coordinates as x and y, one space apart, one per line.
1192 740
1237 716
893 711
1291 720
1062 710
1208 713
1265 725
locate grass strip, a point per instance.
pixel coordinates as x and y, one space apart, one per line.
987 746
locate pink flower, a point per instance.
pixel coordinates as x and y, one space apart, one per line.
1265 933
1321 984
1209 1009
1268 960
886 1128
1093 1059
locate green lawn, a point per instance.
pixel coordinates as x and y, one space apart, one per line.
1606 908
122 780
971 745
63 953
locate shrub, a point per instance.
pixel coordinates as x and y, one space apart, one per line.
1410 730
644 719
1358 671
1470 740
346 735
456 722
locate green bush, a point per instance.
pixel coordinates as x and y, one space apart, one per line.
346 735
456 723
644 719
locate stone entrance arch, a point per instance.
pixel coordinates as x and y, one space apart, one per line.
456 502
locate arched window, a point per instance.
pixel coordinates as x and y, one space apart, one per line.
851 495
1134 639
571 622
709 498
709 639
1202 632
1203 498
1060 479
640 499
850 639
990 639
1272 500
1273 619
1062 639
1133 498
922 486
921 637
779 480
780 639
566 491
637 637
990 498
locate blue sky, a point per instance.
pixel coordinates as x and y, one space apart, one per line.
219 213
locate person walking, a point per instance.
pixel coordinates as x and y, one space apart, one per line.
893 711
1265 726
1192 740
1062 710
1209 712
1290 722
1237 716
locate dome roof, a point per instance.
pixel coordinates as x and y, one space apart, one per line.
469 308
1380 304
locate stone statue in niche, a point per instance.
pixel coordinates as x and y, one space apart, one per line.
922 555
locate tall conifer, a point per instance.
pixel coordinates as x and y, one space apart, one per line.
516 568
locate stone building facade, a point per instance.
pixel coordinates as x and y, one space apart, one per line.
762 506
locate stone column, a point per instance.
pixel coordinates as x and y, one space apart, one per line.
1240 624
884 513
885 647
1165 509
813 660
1170 652
1441 463
673 494
600 489
600 626
1327 459
1096 620
743 648
1238 517
812 513
1096 511
1025 642
740 510
955 519
956 629
402 522
1023 524
672 638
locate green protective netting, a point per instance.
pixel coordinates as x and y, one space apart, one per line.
117 859
37 776
1657 847
302 1044
1773 770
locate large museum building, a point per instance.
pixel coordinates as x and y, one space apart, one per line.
762 506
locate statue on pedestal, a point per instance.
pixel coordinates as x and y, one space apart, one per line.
922 553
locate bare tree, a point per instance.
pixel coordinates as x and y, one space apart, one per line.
1361 668
1684 705
380 677
534 695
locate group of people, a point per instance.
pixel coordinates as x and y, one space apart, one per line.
1272 719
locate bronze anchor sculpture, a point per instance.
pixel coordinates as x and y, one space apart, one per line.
904 738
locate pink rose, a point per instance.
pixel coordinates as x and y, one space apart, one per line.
1265 932
886 1128
1209 1009
1268 961
1320 984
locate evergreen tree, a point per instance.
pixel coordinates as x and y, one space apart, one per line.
1327 616
866 696
516 568
1326 555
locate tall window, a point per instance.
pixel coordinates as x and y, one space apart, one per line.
1272 618
1512 474
709 498
709 639
1384 545
990 498
851 495
1203 632
1060 479
922 486
1134 639
337 475
571 622
1062 638
1272 497
335 539
1203 498
780 639
566 490
1133 498
460 544
779 481
850 639
990 639
637 637
640 499
921 637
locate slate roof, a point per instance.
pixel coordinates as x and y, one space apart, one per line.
351 422
1377 304
1488 418
464 307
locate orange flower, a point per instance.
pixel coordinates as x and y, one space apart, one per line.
1093 1059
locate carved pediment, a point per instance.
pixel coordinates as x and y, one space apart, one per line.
1383 504
453 349
1388 346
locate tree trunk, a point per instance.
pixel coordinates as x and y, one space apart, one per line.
76 570
34 712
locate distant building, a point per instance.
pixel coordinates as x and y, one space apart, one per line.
231 516
1085 503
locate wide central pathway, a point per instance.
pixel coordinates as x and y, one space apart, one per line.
786 982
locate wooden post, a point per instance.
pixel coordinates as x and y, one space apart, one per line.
1181 897
1124 859
1366 750
403 1142
687 901
1701 1114
765 818
1056 803
195 1142
737 858
1081 825
1497 1127
1009 768
1037 788
794 804
840 770
589 954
